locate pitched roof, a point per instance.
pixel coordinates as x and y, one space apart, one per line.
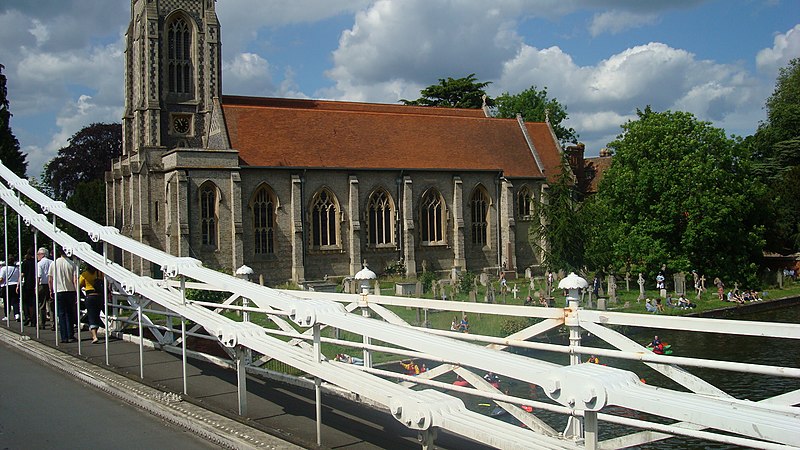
271 132
595 169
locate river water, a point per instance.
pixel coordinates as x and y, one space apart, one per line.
755 350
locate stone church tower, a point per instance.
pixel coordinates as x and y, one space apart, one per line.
174 135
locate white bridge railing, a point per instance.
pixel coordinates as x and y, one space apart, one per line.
584 394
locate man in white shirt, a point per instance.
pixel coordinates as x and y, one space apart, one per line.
9 279
42 270
62 277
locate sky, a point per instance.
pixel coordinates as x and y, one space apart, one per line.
601 59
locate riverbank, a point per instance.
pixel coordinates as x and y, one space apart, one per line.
746 308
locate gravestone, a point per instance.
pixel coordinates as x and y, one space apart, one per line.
377 287
528 272
346 283
514 291
680 283
473 296
484 278
627 281
419 289
601 304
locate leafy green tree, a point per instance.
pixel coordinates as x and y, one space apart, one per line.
10 153
680 193
534 106
87 157
464 92
776 149
560 234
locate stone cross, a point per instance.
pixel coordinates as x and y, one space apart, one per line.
612 288
627 281
514 291
641 287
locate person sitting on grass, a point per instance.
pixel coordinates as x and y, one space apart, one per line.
464 325
649 306
659 306
684 302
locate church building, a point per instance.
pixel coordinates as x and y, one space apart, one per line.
303 189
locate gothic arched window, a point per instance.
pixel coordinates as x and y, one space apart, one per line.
208 214
179 56
380 218
324 219
263 205
479 204
525 199
432 218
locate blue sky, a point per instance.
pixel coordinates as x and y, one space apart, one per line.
602 59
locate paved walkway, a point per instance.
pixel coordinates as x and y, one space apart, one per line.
44 409
279 415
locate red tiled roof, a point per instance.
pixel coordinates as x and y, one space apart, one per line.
271 132
595 168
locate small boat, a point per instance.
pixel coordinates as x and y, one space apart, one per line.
663 349
461 383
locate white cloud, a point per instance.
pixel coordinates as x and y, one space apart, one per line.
616 21
242 19
248 73
785 47
420 41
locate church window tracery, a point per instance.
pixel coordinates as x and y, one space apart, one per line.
208 214
432 217
264 205
380 219
179 56
324 220
525 206
479 204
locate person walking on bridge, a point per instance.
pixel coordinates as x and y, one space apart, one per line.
92 281
63 287
46 310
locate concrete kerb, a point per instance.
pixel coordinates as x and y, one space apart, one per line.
167 406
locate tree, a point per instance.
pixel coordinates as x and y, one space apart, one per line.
534 106
464 92
560 234
680 193
87 157
776 148
10 153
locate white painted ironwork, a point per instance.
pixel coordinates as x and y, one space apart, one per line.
578 391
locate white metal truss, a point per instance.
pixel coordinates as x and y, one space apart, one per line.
580 391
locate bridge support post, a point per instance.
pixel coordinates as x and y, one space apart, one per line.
590 429
5 258
183 336
105 303
318 382
38 277
141 338
241 375
366 339
426 438
573 284
22 313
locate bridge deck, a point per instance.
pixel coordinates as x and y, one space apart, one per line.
275 408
